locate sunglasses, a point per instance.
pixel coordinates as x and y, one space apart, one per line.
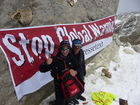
65 49
77 47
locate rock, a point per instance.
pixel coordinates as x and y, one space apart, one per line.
137 41
128 28
24 16
106 73
136 48
123 102
128 51
72 2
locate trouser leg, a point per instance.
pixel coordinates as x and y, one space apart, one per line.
59 95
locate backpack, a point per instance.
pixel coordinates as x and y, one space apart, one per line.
70 85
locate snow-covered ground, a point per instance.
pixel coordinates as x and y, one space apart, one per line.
125 81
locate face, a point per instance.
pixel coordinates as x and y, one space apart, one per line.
65 50
76 49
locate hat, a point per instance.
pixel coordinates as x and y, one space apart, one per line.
64 43
76 42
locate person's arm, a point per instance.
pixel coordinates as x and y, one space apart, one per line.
46 65
43 67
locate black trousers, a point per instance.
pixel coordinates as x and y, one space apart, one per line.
58 93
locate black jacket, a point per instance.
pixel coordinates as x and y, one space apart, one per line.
60 64
80 59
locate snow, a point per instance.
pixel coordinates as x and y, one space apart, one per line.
125 81
118 21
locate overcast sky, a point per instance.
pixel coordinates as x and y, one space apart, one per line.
128 6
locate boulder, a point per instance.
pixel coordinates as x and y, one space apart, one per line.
23 16
106 73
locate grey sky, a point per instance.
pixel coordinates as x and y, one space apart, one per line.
128 6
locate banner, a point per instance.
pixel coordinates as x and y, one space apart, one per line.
26 48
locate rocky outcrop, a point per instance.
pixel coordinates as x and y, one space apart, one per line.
55 11
128 30
19 13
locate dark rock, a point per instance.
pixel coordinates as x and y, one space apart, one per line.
123 102
106 73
